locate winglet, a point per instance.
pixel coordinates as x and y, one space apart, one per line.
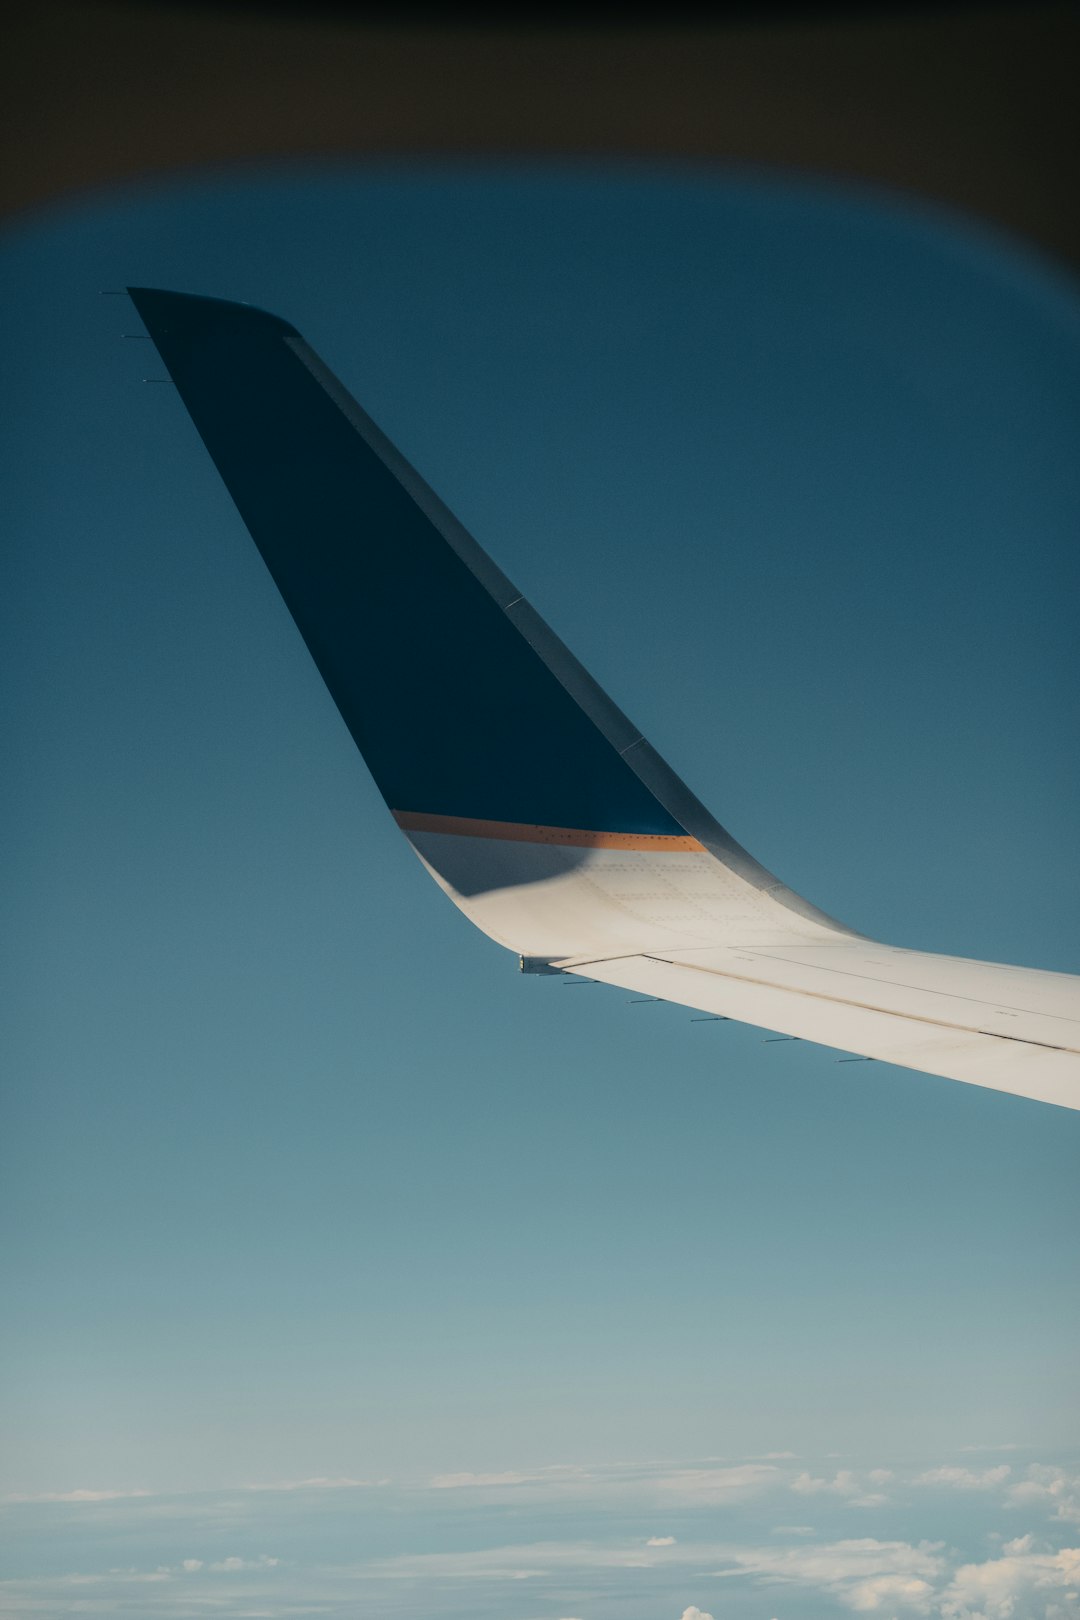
476 722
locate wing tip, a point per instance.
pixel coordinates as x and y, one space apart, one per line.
179 315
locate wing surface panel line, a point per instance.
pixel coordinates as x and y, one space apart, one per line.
843 1001
872 978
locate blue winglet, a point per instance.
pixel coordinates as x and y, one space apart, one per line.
456 714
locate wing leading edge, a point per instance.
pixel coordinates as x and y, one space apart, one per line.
532 800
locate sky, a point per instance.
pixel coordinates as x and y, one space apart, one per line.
347 1271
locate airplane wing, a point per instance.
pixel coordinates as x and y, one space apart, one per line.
532 800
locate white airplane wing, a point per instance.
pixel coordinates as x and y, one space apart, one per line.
531 799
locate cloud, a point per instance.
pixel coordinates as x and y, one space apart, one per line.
865 1574
1025 1577
232 1566
864 1577
77 1496
543 1558
720 1484
224 1566
19 1597
457 1482
1047 1487
903 1591
1008 1588
965 1479
845 1483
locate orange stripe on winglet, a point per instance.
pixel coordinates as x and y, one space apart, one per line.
522 832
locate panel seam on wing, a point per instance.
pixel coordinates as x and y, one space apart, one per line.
843 1001
902 984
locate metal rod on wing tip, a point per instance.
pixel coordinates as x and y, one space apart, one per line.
771 1039
713 1018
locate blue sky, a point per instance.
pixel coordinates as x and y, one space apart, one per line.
300 1180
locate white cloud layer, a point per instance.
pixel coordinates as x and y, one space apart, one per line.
847 1484
76 1496
864 1574
966 1479
743 1549
1022 1584
719 1484
1051 1489
457 1482
233 1565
